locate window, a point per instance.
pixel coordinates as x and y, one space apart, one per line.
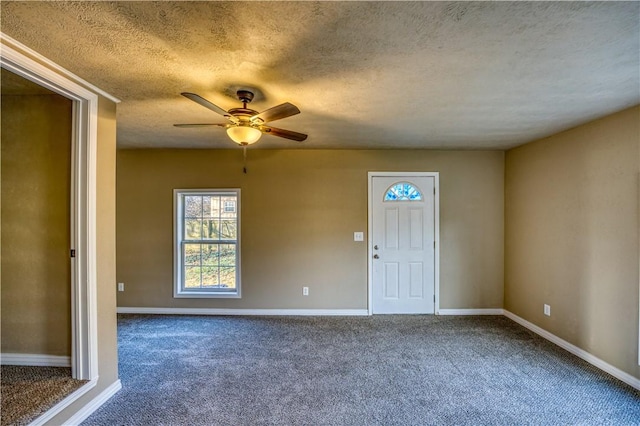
207 243
230 206
403 191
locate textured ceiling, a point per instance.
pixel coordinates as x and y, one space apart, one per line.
469 75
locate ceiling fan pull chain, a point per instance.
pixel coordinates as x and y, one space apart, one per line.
244 159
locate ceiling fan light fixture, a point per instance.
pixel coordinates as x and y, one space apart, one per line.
246 125
244 135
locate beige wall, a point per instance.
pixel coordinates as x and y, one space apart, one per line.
299 211
572 236
36 179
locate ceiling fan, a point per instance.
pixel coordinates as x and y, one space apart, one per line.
245 125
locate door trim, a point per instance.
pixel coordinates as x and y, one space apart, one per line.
436 216
23 61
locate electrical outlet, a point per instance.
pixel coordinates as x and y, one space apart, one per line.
358 236
305 291
120 286
547 310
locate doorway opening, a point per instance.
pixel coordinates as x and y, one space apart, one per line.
36 267
80 228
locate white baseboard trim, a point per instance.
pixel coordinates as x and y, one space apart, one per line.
94 404
35 360
252 312
471 311
53 411
591 359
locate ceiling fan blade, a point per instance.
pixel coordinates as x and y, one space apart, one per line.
288 134
276 113
213 107
202 125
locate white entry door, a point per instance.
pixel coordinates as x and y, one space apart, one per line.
403 244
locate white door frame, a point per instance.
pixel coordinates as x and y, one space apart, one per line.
436 215
24 62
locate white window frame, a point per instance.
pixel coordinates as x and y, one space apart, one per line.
178 223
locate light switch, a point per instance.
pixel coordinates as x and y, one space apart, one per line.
358 236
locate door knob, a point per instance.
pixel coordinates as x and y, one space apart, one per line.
375 256
375 247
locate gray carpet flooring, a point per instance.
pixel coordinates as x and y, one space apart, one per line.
28 392
381 370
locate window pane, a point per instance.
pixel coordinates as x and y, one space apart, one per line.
228 277
193 206
206 206
209 276
227 254
191 276
193 229
214 210
210 254
210 229
228 229
403 191
228 207
192 254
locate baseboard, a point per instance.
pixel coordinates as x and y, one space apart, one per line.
249 312
56 409
471 311
591 359
94 404
35 360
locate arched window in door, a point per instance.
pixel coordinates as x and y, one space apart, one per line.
403 191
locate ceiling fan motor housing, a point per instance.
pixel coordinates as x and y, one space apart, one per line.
245 96
243 114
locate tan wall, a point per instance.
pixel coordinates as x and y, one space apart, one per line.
572 236
299 212
35 274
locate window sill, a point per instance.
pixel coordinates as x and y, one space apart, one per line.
202 295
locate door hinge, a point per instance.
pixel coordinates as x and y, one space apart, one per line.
434 244
434 190
73 252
